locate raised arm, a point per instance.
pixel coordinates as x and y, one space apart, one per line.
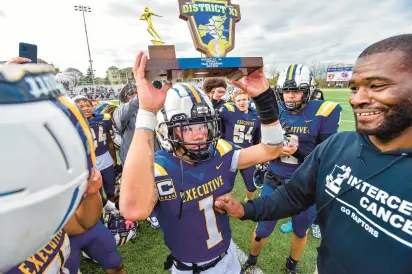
257 86
138 195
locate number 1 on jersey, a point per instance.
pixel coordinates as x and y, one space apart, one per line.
215 236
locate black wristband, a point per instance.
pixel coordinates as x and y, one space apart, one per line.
267 107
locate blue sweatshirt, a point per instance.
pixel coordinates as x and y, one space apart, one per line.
364 202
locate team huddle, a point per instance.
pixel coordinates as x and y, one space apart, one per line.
204 142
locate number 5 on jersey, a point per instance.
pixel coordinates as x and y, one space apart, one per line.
215 236
239 135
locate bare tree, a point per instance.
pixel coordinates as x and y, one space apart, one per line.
272 73
322 71
319 72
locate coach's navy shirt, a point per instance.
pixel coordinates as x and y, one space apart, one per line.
364 202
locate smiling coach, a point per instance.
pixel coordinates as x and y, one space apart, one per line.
360 181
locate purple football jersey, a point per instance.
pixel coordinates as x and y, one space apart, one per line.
201 234
100 126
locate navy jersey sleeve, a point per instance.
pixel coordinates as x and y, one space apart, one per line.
163 182
291 198
331 113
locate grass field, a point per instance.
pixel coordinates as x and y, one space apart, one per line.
146 253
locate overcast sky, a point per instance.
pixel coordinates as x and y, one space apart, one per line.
280 31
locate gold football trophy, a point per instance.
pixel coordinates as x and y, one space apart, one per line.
147 16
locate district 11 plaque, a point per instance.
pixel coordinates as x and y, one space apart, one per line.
212 25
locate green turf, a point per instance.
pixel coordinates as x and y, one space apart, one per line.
146 253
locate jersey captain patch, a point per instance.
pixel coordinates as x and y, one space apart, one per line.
166 190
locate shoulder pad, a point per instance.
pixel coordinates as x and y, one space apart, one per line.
230 107
159 171
223 147
106 116
326 108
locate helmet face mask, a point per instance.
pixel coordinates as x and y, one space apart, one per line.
183 130
294 79
191 134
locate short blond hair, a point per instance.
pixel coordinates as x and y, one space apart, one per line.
239 92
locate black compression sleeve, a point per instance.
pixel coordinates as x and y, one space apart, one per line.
267 107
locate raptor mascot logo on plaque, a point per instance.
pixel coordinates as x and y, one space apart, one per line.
212 25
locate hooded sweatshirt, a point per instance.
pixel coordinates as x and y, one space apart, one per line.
364 202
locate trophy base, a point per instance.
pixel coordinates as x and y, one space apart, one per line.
163 65
158 43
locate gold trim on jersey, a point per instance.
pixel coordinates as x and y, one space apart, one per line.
223 147
159 171
106 116
229 107
326 108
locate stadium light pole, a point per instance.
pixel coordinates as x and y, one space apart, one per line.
84 9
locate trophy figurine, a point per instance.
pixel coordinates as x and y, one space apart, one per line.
212 27
147 16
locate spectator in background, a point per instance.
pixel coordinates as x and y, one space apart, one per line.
125 120
215 88
317 94
125 117
94 103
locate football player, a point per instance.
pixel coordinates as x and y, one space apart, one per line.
100 245
215 88
241 126
101 126
307 123
57 256
50 139
181 182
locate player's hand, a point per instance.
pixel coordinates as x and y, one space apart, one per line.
254 84
95 183
288 150
128 224
18 60
219 93
228 204
150 98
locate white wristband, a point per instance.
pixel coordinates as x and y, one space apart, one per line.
145 120
272 135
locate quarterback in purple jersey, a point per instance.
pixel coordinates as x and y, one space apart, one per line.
182 181
241 126
306 123
100 127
